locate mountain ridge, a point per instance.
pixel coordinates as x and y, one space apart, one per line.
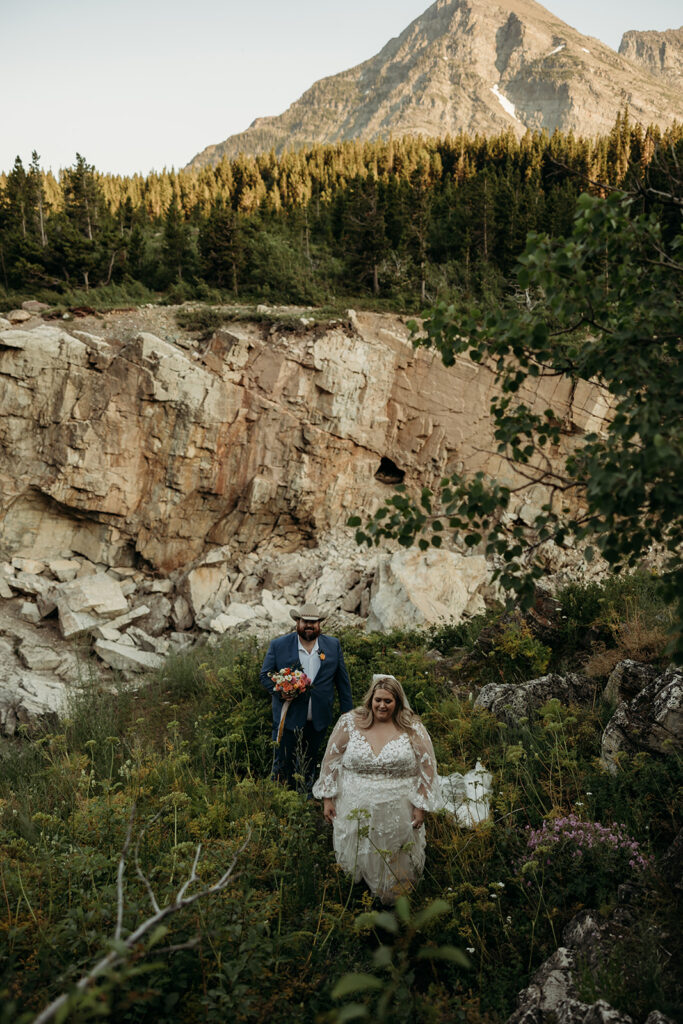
472 66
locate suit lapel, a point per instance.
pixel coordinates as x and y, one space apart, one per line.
294 652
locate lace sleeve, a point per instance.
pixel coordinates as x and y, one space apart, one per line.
328 781
427 794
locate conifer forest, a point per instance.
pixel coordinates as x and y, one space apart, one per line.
402 223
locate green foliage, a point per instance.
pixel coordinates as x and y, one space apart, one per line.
394 224
605 310
203 320
192 750
395 991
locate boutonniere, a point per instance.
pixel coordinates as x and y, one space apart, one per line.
321 655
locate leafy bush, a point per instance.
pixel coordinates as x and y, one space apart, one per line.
192 751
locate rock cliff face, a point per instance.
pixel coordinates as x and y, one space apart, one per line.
660 53
135 450
154 490
472 66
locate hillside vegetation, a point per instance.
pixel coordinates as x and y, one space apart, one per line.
191 752
396 224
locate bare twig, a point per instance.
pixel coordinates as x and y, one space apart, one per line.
116 957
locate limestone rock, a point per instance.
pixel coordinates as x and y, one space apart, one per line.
30 612
627 679
121 621
158 616
276 610
236 614
415 588
34 306
18 316
551 985
73 624
39 658
98 595
64 569
510 702
28 565
127 659
167 458
181 614
652 721
200 587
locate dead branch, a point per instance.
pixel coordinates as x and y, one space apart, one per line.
116 957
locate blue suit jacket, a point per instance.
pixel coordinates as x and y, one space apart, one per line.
284 653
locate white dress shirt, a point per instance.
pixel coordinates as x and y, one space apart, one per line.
310 663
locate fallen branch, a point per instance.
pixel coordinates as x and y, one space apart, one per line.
117 956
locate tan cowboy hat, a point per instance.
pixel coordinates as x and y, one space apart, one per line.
307 612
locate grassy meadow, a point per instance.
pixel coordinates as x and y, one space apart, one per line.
289 938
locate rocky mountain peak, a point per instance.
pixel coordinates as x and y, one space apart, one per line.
661 53
474 66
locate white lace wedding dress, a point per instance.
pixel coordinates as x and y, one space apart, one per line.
374 795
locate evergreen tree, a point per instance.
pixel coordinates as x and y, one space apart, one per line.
221 246
177 254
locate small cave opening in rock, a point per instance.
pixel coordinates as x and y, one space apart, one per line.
388 472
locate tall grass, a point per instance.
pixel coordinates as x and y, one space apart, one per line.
192 752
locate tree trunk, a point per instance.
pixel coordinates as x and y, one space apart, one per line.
111 267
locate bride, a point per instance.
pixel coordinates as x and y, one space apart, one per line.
377 779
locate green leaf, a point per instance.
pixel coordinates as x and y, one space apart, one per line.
353 1011
159 933
350 984
402 909
456 956
430 913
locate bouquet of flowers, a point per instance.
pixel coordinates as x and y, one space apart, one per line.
289 683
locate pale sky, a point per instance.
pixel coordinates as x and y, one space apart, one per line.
138 85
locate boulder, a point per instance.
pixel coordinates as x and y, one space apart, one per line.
30 565
73 624
181 614
18 316
127 659
38 657
64 569
98 595
27 695
30 612
201 586
29 583
652 721
419 589
236 614
34 306
627 679
512 702
276 610
158 617
121 621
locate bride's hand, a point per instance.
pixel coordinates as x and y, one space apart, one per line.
418 817
329 812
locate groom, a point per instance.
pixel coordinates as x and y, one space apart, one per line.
307 719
